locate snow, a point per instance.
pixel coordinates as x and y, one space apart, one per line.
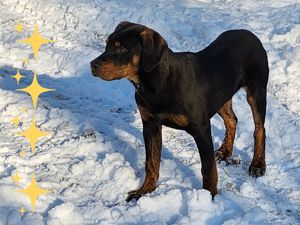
94 153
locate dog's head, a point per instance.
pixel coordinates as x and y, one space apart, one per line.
130 48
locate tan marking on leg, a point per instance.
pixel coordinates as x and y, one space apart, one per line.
259 132
230 122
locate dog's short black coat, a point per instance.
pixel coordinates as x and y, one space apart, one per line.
184 90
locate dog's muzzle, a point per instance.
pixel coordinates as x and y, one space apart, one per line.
94 67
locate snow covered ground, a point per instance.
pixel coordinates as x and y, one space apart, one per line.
94 153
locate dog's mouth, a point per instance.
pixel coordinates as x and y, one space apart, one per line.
94 73
97 72
94 67
109 71
104 75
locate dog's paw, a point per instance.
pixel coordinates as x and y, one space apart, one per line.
257 171
220 155
233 161
136 194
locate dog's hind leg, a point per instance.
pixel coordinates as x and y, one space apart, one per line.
256 98
230 121
256 88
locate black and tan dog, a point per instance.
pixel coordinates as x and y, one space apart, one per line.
183 90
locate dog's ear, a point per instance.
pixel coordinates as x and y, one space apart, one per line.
154 47
123 25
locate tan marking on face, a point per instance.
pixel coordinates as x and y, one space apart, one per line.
117 44
110 71
136 60
145 113
135 63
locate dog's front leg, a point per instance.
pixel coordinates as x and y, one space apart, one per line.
153 145
203 139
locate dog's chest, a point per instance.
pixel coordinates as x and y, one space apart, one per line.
165 112
170 119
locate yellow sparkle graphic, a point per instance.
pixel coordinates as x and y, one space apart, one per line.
33 191
22 153
16 121
35 89
16 178
24 108
22 211
25 61
33 134
18 77
36 41
19 27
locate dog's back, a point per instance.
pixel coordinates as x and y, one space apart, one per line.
235 59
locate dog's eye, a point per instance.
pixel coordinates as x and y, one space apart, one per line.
122 49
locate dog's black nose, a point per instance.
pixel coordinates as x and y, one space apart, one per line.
93 68
93 65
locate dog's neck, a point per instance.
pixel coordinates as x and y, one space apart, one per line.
152 82
135 84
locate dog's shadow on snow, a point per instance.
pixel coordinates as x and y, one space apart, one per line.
108 107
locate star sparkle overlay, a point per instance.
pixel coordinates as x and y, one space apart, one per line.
16 121
22 211
25 61
33 134
24 108
33 191
22 153
18 76
35 90
19 27
16 178
36 41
